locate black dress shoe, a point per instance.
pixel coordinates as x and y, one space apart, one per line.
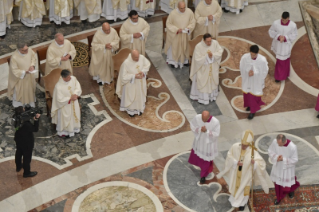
226 11
277 81
100 83
241 208
291 195
31 174
240 11
276 202
251 116
248 109
187 65
140 114
131 115
318 116
18 169
172 66
202 180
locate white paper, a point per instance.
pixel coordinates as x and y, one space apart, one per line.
65 54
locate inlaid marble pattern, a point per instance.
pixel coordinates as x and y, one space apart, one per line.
47 144
116 199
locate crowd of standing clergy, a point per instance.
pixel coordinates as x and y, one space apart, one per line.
182 25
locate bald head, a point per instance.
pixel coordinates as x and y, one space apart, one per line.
135 55
106 28
181 6
205 116
59 38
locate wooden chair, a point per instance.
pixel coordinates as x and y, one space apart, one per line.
42 55
50 81
118 59
164 19
118 28
8 60
90 38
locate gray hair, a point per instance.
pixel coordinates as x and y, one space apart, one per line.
57 35
20 45
281 137
65 73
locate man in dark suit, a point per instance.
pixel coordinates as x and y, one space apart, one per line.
25 142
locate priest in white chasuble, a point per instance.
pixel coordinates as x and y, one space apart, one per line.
60 54
134 33
235 6
180 24
65 111
6 17
31 12
239 167
21 81
207 16
205 70
253 70
283 155
105 43
131 85
89 9
283 32
60 11
114 9
206 129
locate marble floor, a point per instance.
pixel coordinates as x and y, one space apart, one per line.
140 164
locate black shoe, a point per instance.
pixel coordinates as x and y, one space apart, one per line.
251 116
277 81
291 195
202 180
3 36
100 83
240 11
140 114
186 65
248 109
131 115
318 116
226 11
241 208
18 168
172 66
276 202
31 174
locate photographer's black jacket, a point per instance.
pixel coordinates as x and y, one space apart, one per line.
24 135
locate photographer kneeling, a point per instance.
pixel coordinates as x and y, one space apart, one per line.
24 139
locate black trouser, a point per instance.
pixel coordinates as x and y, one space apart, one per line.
27 155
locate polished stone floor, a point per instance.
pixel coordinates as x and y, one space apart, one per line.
118 163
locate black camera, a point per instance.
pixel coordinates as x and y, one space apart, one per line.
26 115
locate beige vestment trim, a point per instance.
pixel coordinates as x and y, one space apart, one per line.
179 42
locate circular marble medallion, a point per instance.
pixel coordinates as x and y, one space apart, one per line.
82 54
117 196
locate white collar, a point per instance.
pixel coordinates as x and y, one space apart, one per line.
134 23
21 54
206 3
58 44
178 11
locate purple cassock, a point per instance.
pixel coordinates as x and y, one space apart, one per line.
282 68
205 166
281 191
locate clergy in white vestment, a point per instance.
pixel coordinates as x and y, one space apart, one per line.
31 12
169 5
239 167
207 16
144 8
6 17
283 32
206 129
114 9
131 85
253 70
205 70
105 43
65 111
283 155
21 81
60 11
60 54
88 9
134 32
235 6
180 24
